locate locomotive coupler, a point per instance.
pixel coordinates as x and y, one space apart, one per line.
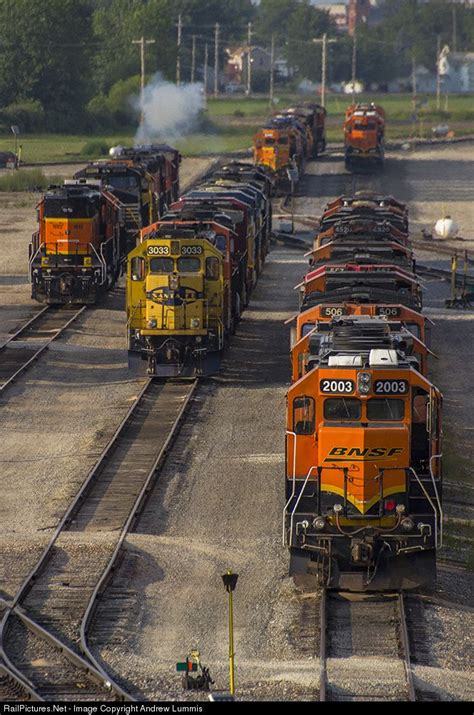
361 551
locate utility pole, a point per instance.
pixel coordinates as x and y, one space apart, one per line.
324 61
413 79
323 71
178 54
354 61
193 59
272 62
249 59
438 76
142 42
216 59
454 28
206 61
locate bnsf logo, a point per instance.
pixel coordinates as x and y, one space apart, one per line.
350 454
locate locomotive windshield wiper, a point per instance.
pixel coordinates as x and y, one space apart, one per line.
345 407
387 402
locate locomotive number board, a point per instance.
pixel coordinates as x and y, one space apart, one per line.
336 387
330 312
393 311
158 250
390 387
191 250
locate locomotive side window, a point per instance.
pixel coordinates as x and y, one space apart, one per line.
221 242
189 265
138 268
385 410
161 265
283 140
342 408
212 268
414 328
307 328
303 415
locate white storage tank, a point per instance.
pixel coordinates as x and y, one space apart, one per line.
446 228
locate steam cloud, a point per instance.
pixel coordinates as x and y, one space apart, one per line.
170 112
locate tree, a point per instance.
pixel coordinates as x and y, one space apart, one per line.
116 24
45 52
305 25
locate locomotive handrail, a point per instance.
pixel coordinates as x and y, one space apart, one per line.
135 309
298 501
433 479
438 543
285 508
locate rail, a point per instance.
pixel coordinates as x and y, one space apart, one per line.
382 621
21 358
145 418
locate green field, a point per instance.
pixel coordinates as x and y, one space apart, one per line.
231 122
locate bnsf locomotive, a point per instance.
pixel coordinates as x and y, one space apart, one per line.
363 435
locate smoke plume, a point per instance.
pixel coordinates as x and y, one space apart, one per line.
169 112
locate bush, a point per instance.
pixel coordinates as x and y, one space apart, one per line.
95 147
28 115
99 118
239 113
120 100
26 180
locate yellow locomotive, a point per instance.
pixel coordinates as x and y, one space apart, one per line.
179 298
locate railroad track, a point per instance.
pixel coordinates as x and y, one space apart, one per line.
364 648
44 632
26 345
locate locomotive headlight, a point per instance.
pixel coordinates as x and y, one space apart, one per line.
173 281
87 261
319 523
195 322
152 323
400 508
337 508
45 261
363 382
407 524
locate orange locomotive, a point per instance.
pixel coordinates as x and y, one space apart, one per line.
364 130
76 254
289 138
363 441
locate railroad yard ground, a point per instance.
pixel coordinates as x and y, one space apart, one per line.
219 499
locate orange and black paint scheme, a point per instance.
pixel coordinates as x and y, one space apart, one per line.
363 436
76 254
364 130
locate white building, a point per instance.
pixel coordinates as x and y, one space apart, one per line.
456 70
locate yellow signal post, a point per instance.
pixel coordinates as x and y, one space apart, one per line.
230 582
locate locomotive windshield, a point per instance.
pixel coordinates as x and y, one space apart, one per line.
342 408
123 181
189 265
385 410
69 208
161 265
